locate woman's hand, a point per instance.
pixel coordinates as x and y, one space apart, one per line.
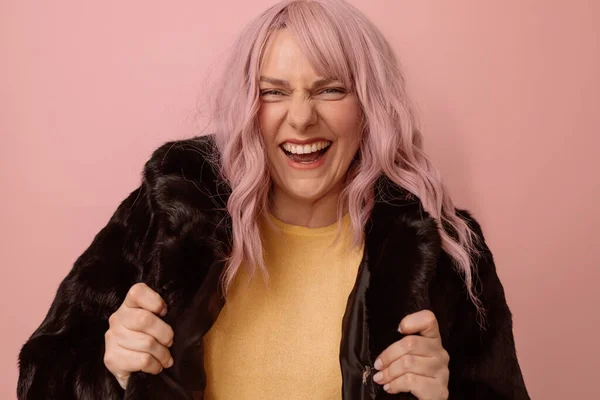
418 363
138 339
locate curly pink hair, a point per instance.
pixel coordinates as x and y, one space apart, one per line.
340 42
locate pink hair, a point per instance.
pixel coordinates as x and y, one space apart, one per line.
340 42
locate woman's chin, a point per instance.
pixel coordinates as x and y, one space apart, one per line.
307 190
305 195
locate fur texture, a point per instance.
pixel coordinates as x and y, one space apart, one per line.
174 234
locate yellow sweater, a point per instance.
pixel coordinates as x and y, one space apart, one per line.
280 340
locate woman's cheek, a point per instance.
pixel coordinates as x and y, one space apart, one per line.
269 118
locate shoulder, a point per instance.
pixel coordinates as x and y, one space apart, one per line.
182 179
486 282
180 158
471 221
483 268
481 255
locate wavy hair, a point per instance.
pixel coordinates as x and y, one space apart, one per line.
340 42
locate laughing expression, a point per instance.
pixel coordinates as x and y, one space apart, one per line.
310 124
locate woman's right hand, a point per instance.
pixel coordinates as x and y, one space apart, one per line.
137 339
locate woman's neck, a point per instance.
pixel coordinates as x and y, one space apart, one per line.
302 212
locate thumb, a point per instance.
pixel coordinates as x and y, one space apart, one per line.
423 322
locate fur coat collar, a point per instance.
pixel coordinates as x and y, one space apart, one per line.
173 233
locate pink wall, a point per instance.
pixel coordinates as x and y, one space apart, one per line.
507 92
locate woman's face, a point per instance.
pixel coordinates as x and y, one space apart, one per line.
310 124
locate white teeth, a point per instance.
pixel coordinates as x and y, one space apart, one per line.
307 148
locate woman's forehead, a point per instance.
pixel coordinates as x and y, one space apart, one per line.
283 54
284 62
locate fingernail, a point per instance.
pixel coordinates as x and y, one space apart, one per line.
170 363
170 343
399 329
378 377
378 364
163 312
386 387
161 369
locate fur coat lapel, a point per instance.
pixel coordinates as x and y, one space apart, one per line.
402 246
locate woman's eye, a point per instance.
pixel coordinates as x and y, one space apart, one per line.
270 92
333 90
274 92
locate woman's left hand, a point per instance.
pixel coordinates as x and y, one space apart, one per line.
417 363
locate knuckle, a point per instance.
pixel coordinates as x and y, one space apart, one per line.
383 357
134 291
156 307
384 361
157 298
430 318
395 348
391 371
396 386
408 361
137 290
387 373
145 319
108 336
166 357
108 360
395 370
393 387
170 334
410 343
446 375
410 379
112 320
446 357
146 360
156 370
148 343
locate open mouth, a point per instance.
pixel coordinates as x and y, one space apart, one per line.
307 153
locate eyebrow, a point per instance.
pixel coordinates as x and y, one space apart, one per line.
280 82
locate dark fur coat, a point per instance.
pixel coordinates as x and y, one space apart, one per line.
173 233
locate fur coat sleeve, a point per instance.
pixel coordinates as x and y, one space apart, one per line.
483 362
63 359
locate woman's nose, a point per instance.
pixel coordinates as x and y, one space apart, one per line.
301 113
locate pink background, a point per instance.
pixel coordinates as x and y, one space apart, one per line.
508 97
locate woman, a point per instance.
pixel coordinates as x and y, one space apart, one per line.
314 211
